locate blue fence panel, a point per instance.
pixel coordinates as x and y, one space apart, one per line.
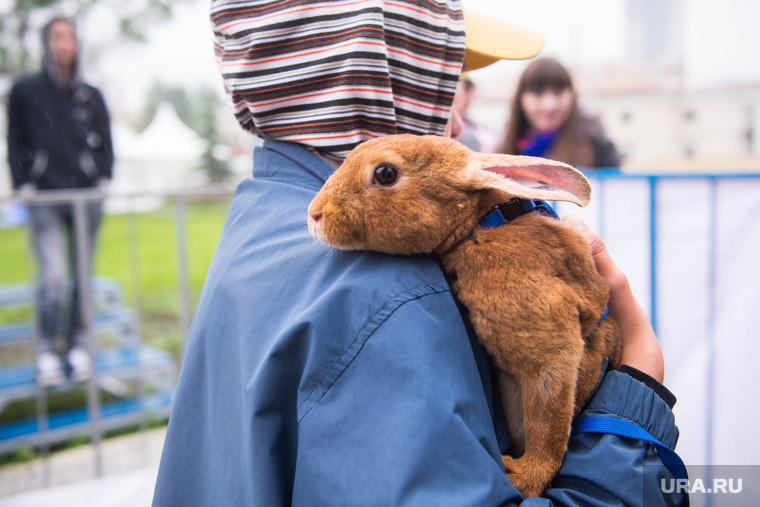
690 245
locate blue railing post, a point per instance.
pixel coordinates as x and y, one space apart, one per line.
653 251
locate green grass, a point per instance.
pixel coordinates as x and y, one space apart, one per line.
140 251
16 264
155 252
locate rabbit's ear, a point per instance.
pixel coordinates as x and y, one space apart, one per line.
528 177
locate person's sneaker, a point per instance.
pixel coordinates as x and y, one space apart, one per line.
49 370
80 364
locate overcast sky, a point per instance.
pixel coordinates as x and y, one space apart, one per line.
179 52
719 41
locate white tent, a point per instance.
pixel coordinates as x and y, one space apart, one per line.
161 158
167 139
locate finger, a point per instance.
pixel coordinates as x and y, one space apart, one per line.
604 263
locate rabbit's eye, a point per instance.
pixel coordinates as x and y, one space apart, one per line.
385 175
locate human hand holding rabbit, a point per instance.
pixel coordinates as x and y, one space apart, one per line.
641 350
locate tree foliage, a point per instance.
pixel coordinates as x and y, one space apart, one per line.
22 22
213 163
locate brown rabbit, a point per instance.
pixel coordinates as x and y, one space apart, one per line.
532 291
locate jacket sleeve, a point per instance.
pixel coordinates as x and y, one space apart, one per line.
605 152
103 153
407 421
19 157
616 470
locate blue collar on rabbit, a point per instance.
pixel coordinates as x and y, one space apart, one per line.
514 208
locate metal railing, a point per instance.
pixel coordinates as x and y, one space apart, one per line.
653 183
79 200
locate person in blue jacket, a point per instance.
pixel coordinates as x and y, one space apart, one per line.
313 376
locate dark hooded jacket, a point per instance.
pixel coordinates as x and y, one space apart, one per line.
59 134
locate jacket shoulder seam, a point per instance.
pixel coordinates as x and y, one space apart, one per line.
342 361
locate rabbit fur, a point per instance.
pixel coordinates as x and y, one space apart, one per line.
530 287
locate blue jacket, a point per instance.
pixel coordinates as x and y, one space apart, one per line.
314 376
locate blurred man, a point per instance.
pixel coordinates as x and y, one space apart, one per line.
59 137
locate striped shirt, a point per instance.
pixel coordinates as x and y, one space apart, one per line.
330 74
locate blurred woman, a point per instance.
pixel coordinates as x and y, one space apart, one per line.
545 120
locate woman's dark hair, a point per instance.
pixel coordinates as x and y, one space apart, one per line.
540 75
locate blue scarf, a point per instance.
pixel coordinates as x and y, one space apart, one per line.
536 143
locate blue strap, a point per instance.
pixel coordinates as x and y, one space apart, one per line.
493 219
621 428
515 208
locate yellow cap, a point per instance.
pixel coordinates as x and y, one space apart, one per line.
490 40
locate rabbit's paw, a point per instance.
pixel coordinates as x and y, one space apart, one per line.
525 476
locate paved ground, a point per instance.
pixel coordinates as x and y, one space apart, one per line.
130 465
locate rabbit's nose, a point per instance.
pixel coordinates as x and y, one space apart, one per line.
316 217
